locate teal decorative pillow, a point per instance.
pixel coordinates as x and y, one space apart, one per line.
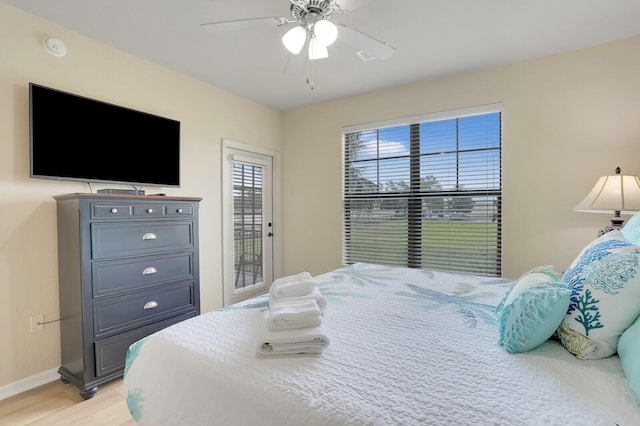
605 296
532 310
631 230
629 352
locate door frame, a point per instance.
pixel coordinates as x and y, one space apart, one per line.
230 147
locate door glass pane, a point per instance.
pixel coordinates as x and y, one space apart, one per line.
247 224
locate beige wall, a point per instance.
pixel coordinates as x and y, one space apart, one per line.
567 119
28 262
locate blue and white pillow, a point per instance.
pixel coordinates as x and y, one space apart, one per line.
532 310
605 296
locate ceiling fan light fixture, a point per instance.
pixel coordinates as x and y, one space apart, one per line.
294 39
317 50
325 32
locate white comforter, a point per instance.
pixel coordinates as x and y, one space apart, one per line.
408 347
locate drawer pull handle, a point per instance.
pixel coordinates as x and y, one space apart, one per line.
179 210
150 270
151 305
149 211
149 236
114 210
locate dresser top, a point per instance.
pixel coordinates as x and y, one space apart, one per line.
78 195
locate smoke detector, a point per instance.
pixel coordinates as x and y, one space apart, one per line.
54 46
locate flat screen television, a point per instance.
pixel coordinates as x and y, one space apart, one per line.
75 138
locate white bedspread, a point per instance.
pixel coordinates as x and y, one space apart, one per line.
408 347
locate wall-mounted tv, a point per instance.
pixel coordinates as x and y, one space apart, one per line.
81 139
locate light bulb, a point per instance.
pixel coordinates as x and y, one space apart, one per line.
294 39
325 32
317 50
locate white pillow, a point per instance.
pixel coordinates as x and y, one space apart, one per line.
605 296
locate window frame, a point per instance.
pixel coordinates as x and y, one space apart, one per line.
415 197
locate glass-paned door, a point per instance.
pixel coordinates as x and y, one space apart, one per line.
248 225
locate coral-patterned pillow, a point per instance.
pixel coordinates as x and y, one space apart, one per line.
605 296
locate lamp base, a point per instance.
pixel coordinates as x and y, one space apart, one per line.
616 224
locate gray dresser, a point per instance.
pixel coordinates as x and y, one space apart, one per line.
128 267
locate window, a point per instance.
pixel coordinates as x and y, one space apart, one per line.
248 229
425 192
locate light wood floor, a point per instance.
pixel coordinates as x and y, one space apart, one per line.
58 404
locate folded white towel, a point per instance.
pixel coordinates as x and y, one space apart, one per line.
314 295
293 285
309 340
294 314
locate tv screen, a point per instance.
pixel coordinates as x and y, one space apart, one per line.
81 139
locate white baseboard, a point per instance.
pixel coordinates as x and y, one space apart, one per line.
28 383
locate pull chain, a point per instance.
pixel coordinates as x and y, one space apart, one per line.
310 74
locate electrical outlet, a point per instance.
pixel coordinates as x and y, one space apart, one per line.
37 323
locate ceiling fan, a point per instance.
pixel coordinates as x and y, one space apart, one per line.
312 27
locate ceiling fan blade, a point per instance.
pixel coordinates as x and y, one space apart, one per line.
367 46
241 24
348 5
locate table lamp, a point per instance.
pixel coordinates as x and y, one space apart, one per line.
614 194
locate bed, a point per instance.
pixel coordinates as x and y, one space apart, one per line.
407 347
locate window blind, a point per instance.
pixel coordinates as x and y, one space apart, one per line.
247 223
425 193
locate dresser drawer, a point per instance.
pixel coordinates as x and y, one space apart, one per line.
111 352
180 209
148 210
114 276
111 210
110 240
118 314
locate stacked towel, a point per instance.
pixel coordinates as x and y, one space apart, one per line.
297 287
292 286
308 340
293 321
294 314
314 295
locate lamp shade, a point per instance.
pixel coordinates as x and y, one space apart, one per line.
317 50
325 32
294 39
616 193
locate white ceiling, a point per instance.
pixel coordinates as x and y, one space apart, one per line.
433 38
